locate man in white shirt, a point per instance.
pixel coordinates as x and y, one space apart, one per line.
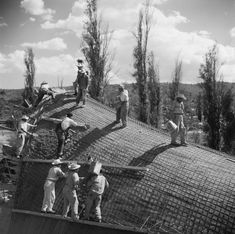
122 106
54 174
178 113
62 131
22 133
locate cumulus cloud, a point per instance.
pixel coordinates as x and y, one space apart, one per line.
232 32
53 44
32 19
74 22
37 8
3 25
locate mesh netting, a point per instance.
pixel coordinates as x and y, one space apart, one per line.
136 199
187 190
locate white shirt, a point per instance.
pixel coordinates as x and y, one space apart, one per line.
67 122
24 126
124 97
45 86
178 108
54 173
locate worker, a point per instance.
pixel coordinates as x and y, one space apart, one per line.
82 83
96 186
122 106
62 131
178 113
22 133
44 90
69 192
54 174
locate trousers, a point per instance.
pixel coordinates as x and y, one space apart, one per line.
81 96
93 201
21 139
181 130
122 112
49 195
70 200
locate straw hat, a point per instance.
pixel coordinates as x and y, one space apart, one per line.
181 96
73 166
44 82
56 162
24 117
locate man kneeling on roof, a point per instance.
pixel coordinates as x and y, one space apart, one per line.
44 90
70 192
96 186
54 174
62 131
22 133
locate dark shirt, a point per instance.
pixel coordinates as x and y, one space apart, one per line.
82 79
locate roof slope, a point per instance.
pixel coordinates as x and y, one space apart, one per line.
187 189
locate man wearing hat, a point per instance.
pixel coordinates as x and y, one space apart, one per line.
178 112
22 133
122 106
54 174
69 192
81 82
96 186
44 90
62 131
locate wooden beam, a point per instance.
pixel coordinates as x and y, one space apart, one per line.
83 163
95 224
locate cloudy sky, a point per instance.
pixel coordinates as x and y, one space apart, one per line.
53 28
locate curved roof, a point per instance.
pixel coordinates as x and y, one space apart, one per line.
186 190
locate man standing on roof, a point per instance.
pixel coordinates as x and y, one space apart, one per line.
96 186
122 106
22 133
44 90
81 82
62 131
54 174
178 113
69 192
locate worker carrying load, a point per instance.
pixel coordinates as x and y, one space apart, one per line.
96 185
44 90
22 134
178 113
54 174
70 192
122 106
81 83
62 132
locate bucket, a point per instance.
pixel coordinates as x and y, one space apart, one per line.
95 167
171 126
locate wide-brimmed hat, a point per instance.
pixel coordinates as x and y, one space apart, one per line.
73 166
24 117
56 162
181 96
44 82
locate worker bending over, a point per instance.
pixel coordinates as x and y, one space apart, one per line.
122 106
54 174
22 133
44 90
62 131
69 192
96 186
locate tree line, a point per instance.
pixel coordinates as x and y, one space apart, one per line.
214 101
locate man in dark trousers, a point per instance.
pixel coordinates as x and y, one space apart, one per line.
62 131
82 83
